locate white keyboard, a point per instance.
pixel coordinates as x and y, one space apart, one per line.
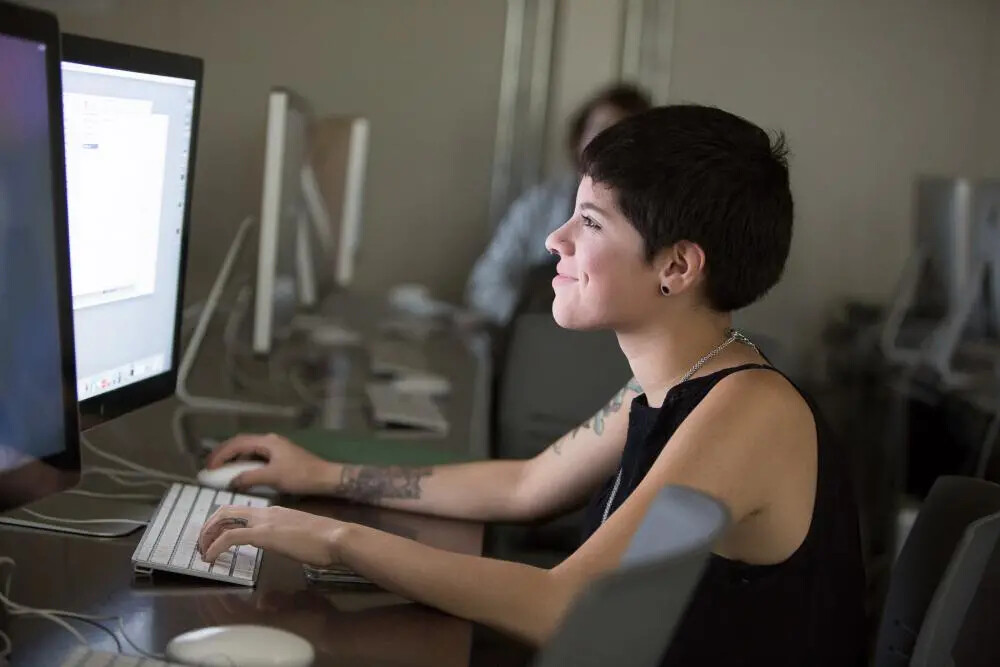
169 543
391 408
84 657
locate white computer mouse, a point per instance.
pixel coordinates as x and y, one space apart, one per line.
243 645
223 476
421 384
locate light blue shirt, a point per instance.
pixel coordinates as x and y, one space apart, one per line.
518 246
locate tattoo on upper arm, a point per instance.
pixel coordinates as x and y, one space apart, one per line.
597 421
370 484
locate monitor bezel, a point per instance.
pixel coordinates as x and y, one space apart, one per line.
78 49
281 102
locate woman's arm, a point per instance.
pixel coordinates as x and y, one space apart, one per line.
500 490
519 599
522 600
556 480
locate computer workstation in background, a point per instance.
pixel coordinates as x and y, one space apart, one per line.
298 298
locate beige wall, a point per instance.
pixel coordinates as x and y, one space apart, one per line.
585 56
988 118
425 72
870 93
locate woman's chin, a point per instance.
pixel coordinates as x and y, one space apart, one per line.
567 317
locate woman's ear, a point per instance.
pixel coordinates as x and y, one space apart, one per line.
680 266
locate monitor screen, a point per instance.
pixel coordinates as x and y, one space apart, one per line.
38 425
129 155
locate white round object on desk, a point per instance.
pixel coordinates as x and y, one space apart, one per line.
223 476
244 645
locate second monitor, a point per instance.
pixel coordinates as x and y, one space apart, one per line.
282 216
131 118
310 213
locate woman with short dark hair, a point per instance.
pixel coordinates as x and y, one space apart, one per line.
683 215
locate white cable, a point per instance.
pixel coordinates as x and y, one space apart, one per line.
119 476
46 517
151 472
54 615
115 496
118 642
136 647
16 609
7 647
55 619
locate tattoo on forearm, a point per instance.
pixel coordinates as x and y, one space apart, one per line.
597 421
370 484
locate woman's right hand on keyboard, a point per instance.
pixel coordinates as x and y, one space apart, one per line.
289 469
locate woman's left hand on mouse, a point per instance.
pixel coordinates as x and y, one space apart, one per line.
305 537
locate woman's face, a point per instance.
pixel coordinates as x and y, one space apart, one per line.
603 279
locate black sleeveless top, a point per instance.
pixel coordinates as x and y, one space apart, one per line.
807 610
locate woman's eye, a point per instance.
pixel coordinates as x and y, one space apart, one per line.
589 222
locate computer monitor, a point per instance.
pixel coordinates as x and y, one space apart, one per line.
282 215
131 121
39 431
333 185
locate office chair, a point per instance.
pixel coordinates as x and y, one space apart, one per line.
949 608
944 555
627 618
552 380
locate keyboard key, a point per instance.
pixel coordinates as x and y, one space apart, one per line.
224 563
189 538
198 565
153 531
257 501
178 516
246 558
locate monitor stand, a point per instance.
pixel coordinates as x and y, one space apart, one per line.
210 403
80 515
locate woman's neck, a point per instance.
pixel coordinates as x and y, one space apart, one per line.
662 352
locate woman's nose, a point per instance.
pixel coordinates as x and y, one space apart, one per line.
557 242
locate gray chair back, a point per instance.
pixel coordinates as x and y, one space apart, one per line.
553 379
938 537
949 608
627 617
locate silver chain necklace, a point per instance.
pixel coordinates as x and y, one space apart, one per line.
733 336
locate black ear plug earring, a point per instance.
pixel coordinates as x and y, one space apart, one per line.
664 290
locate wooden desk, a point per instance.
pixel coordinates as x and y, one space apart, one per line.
94 576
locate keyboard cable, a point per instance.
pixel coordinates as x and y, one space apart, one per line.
58 617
